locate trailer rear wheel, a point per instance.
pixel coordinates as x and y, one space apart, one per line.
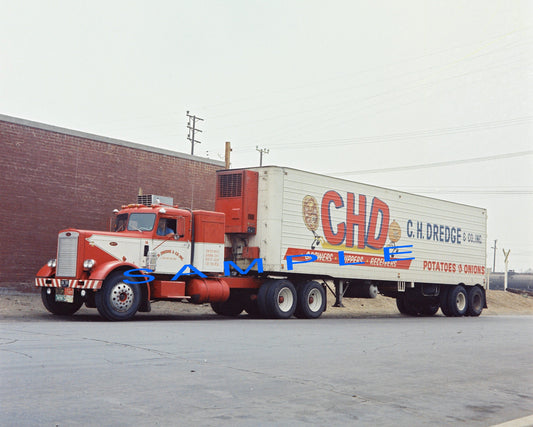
444 291
117 299
430 309
311 300
402 306
457 301
415 307
476 301
59 308
277 299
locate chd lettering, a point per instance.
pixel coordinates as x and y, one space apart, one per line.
371 230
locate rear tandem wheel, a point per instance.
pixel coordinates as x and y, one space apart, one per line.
311 300
277 299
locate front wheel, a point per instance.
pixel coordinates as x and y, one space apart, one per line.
117 299
48 296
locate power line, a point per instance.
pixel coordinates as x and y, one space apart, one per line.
435 189
437 164
346 113
352 75
430 133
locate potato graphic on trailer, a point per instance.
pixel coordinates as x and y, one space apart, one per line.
395 232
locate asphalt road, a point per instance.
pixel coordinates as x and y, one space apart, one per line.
209 370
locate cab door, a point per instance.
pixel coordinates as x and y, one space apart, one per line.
171 246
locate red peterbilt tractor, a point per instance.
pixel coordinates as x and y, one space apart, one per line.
277 239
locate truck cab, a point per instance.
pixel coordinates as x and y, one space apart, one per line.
156 242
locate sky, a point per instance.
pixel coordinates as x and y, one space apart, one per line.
430 97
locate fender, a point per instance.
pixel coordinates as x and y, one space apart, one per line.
102 271
46 271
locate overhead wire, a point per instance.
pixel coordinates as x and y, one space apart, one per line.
400 136
436 164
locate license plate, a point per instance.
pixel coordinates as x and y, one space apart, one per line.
65 295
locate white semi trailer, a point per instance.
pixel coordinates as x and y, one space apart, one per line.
426 253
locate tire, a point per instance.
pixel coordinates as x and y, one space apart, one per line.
444 292
476 301
231 308
405 306
372 291
277 299
400 303
262 298
251 306
457 301
60 308
429 309
311 300
118 300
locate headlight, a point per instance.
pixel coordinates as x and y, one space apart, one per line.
88 264
51 263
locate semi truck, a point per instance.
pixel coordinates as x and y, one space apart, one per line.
277 239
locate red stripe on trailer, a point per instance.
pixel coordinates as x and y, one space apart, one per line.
331 257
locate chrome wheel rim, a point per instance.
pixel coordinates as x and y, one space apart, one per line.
122 297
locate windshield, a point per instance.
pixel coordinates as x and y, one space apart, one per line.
120 222
141 221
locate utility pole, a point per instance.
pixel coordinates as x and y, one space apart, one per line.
494 261
227 154
191 125
261 151
506 254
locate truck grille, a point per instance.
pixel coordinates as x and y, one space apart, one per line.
67 254
230 185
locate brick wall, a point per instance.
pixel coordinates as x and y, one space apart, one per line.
53 178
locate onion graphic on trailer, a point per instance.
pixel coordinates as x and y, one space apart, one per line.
395 233
310 216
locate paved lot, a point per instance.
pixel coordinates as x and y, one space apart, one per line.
205 370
